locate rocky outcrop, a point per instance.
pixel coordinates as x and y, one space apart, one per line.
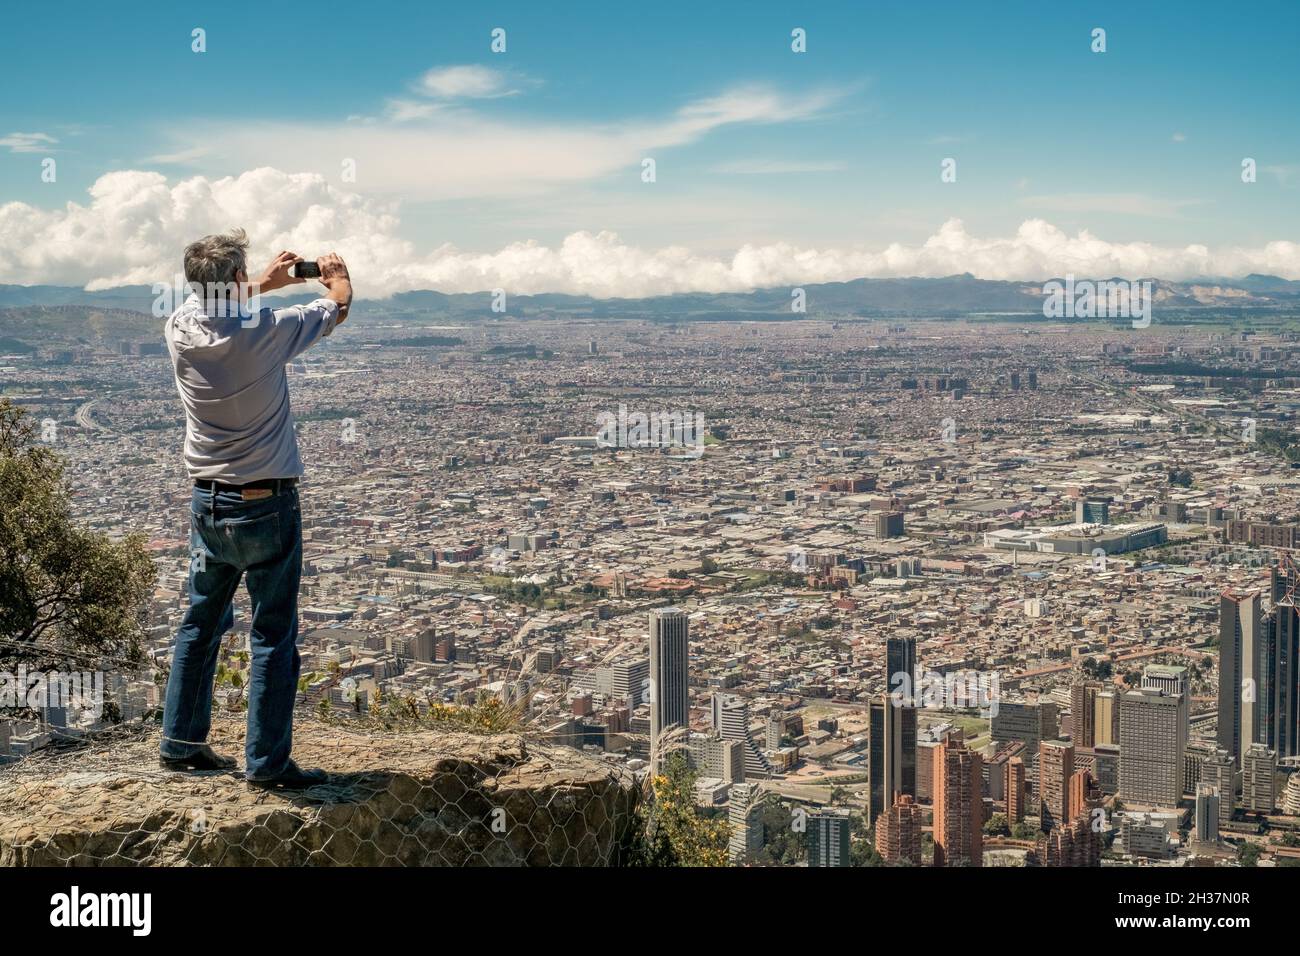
406 799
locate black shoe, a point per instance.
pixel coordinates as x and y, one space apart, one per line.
205 758
292 777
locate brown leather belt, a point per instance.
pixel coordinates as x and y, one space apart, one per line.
274 484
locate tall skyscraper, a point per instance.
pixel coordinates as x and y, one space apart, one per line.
958 806
669 660
1015 790
1283 657
1083 712
891 763
1152 745
1105 721
828 838
1242 684
898 832
1055 767
900 658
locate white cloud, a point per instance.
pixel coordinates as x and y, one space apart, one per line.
28 142
432 151
136 223
467 82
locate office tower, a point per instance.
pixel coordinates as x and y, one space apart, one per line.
1083 713
669 691
1105 719
1055 767
1240 686
898 832
627 680
731 714
1206 828
1015 790
745 814
958 806
1283 660
775 731
1170 678
1029 721
1088 511
828 838
1105 767
1219 771
1259 779
900 658
891 760
1083 794
925 751
889 524
714 757
1152 745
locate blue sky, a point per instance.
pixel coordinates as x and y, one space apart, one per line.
754 145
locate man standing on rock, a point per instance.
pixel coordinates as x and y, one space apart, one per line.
245 521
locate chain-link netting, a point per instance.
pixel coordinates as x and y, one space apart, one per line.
393 798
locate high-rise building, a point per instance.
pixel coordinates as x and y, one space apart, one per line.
1170 678
732 721
1241 677
1029 721
1206 827
669 686
716 757
1259 779
1084 795
1219 770
1152 745
1083 713
898 832
1105 720
891 763
627 680
1282 655
900 658
1089 511
745 814
1105 767
1055 767
958 806
828 838
1015 790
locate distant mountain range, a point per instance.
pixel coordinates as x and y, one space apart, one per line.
952 295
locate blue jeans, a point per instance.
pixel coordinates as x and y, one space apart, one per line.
230 538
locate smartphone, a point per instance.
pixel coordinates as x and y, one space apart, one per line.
305 270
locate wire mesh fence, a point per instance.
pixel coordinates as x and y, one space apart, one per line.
393 798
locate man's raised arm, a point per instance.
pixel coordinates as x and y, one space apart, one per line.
338 284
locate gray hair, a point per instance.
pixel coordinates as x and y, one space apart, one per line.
214 261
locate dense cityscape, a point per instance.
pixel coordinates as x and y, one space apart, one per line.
967 591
